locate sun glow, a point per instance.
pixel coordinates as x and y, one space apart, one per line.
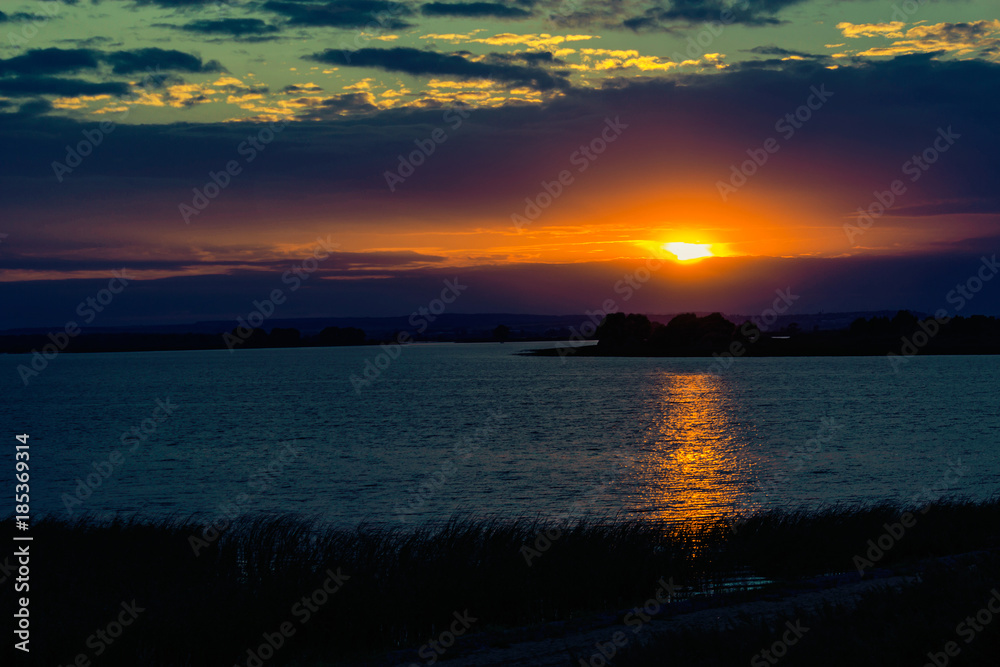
688 251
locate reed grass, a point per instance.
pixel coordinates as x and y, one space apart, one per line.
405 584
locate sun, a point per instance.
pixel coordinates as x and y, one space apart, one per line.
688 251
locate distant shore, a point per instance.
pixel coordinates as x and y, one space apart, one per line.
687 335
591 349
617 335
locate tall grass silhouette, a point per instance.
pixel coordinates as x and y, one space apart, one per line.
405 585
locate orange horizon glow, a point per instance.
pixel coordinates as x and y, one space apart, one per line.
683 224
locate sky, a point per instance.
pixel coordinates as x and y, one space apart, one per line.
539 152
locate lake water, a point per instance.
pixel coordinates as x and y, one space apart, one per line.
474 429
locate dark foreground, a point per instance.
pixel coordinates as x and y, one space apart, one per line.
859 586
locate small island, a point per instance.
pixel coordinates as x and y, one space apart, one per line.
688 335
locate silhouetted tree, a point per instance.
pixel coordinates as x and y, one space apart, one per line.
284 337
879 325
339 336
257 338
501 333
621 331
687 331
903 322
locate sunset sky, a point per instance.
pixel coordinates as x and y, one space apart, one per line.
537 150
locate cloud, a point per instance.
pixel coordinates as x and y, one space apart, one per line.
759 13
223 259
532 41
25 86
42 62
96 40
338 105
301 88
530 57
429 63
177 4
856 30
230 84
474 9
778 51
34 108
75 103
612 59
682 137
233 27
149 59
887 109
343 13
22 16
178 96
51 61
960 38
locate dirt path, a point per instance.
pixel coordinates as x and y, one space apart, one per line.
565 643
569 649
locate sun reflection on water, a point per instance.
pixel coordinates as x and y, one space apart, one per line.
694 461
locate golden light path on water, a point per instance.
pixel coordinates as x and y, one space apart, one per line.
696 460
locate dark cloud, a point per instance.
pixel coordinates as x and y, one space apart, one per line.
22 16
337 263
179 4
96 40
51 61
430 63
778 51
35 107
233 27
474 9
885 110
585 13
338 105
29 86
297 89
43 62
154 59
745 12
531 57
962 32
373 14
240 88
779 64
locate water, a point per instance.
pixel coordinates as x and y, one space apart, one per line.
473 429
